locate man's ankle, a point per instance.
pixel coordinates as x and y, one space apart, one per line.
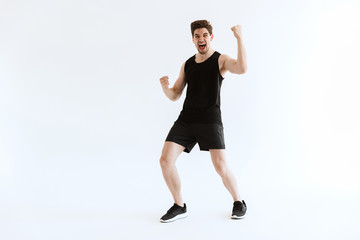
180 204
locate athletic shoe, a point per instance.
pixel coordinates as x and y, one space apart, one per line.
239 210
174 213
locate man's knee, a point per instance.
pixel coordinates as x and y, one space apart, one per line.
170 153
221 167
166 161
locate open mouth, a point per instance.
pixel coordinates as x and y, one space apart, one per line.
202 46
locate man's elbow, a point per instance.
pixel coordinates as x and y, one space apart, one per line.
240 70
174 98
176 95
243 70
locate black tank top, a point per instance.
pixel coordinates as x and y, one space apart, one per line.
202 102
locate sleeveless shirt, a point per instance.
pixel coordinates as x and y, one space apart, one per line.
202 102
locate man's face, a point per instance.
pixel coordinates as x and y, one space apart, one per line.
202 39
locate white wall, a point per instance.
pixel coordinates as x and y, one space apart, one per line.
83 117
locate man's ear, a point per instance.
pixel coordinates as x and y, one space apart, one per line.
212 36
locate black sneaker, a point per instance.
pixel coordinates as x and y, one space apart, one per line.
239 210
174 213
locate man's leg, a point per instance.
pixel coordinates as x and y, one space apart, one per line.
170 153
219 161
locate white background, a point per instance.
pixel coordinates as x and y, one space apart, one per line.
83 119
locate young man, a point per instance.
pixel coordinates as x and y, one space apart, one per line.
200 120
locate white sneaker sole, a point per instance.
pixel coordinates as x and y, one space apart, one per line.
184 215
238 217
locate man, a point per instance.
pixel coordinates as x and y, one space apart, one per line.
200 120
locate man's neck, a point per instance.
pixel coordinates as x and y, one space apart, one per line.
202 57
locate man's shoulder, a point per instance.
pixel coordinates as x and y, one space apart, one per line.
223 58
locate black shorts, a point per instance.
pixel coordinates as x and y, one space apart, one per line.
208 136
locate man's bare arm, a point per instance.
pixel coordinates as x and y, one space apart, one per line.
175 92
238 65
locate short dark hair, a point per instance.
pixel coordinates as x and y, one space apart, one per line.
201 24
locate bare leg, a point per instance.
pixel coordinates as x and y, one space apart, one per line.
219 161
170 153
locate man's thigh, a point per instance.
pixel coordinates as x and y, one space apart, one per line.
171 151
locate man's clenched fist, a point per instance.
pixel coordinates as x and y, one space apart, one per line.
164 81
237 31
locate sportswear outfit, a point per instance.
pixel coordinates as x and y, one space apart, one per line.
200 119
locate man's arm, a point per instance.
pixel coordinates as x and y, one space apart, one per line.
238 65
175 92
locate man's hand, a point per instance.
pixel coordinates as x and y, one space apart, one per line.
164 82
237 31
